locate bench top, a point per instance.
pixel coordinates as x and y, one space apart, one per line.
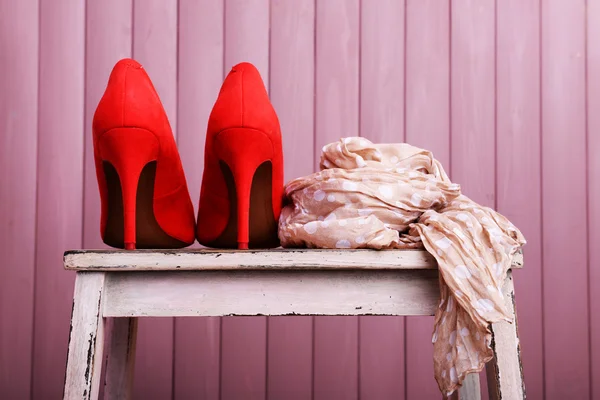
277 259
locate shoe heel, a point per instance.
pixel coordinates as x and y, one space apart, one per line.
243 150
128 150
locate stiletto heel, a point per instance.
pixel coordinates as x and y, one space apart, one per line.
242 185
143 191
243 151
128 151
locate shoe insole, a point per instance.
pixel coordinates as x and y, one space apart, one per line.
149 234
263 226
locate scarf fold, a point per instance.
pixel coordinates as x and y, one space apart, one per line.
396 196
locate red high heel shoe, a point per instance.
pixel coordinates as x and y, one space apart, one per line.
143 191
242 186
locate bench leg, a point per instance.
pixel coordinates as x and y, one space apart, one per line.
121 359
470 389
505 371
86 339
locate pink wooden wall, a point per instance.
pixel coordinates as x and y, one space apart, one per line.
506 94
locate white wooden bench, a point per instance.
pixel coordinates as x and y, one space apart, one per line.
130 284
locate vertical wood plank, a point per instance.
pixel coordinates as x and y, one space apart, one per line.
155 47
247 35
200 74
292 65
290 356
243 357
197 358
18 150
381 355
382 71
593 149
565 287
427 126
337 72
518 165
60 185
244 339
473 99
200 77
108 39
382 74
335 373
428 77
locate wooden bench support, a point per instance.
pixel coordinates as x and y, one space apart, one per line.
86 338
134 284
470 389
505 371
121 359
227 293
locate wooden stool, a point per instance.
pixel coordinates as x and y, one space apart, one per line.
128 284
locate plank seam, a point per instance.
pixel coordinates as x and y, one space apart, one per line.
37 200
132 29
496 105
404 73
315 145
223 72
220 357
360 133
360 36
224 38
404 137
450 89
269 43
312 375
269 50
82 235
587 197
177 138
358 375
267 338
86 137
541 129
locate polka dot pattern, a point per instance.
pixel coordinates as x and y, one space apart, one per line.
319 195
462 272
343 244
384 196
443 244
311 227
349 186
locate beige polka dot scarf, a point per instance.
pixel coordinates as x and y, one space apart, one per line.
396 196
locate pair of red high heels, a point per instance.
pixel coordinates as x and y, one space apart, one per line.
143 190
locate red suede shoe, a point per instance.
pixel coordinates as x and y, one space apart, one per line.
242 186
144 194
